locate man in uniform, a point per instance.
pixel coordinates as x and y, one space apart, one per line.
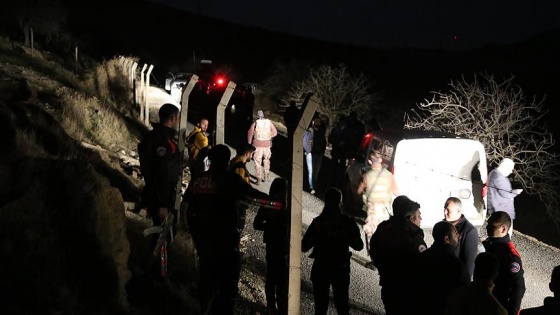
377 187
394 248
160 162
197 144
213 219
260 135
468 248
510 284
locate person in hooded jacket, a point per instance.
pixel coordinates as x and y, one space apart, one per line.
331 234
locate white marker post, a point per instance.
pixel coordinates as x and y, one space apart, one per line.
220 113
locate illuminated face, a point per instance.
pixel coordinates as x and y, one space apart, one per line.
455 238
203 125
416 218
452 212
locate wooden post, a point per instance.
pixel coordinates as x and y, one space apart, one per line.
220 113
294 280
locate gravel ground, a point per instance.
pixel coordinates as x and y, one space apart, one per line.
538 259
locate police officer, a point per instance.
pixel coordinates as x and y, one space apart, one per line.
213 217
394 247
160 163
510 284
330 235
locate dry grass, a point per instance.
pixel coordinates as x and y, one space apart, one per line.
27 145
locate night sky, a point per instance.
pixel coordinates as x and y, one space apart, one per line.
387 23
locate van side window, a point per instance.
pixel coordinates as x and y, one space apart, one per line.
375 145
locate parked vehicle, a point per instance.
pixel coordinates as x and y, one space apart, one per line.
428 167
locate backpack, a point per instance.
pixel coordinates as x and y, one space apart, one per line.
262 129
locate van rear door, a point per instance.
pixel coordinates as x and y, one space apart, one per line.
430 170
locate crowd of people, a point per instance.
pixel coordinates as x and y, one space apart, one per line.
449 277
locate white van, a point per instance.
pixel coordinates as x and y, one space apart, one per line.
429 167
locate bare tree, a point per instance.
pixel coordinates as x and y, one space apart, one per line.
506 122
338 91
45 16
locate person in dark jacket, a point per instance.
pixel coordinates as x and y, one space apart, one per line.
275 225
212 217
476 298
440 271
160 163
468 246
330 235
510 284
394 247
551 304
290 118
314 146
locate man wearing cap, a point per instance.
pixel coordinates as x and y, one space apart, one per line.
260 135
500 193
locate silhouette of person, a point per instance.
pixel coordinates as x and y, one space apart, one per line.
476 297
275 225
551 304
314 146
439 270
213 218
510 284
331 234
290 118
354 134
468 247
394 246
338 152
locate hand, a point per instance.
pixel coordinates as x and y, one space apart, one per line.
163 212
517 191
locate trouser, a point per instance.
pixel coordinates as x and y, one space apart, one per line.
394 299
377 212
262 159
276 285
314 161
218 285
322 277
